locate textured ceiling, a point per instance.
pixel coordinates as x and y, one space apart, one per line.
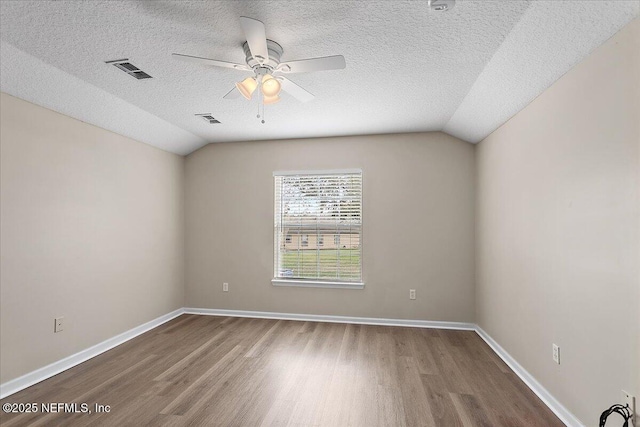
465 71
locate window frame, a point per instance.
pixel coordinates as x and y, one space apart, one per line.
312 282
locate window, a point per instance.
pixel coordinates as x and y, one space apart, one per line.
312 205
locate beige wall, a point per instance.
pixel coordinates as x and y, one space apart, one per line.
92 229
429 246
558 236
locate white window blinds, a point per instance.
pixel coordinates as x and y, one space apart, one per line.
318 226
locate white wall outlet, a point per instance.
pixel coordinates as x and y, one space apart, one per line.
556 354
58 324
412 294
225 287
630 400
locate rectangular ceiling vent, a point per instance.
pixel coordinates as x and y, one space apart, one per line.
209 118
129 68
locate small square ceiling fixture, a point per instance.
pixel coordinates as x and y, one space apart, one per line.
209 118
441 5
129 68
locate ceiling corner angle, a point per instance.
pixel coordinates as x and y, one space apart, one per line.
29 78
524 65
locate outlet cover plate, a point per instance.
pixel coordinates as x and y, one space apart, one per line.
58 324
556 354
629 399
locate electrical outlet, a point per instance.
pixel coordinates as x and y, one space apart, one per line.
225 287
630 400
412 294
556 354
58 324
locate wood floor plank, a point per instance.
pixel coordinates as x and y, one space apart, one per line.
196 393
177 368
416 405
389 377
447 367
443 410
471 411
228 371
420 349
488 398
294 384
311 398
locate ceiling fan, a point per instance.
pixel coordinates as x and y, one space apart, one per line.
263 59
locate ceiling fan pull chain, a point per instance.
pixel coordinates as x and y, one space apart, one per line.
261 101
258 115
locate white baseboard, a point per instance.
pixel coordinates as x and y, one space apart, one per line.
20 383
561 412
55 368
333 319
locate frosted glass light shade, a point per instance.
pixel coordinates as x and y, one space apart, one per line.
247 87
270 99
270 86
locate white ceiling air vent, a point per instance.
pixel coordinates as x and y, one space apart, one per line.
129 68
441 5
209 118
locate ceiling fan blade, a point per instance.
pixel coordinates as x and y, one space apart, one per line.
256 38
335 62
207 61
294 90
233 94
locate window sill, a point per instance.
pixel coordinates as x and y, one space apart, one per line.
316 284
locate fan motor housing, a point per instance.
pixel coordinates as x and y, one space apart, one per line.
275 52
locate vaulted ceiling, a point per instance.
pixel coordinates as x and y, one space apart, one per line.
465 71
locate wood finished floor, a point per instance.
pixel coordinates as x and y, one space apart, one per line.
224 371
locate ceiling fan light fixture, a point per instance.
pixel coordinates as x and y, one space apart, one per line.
270 99
247 87
270 86
262 56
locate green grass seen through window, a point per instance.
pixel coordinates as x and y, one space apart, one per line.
334 264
